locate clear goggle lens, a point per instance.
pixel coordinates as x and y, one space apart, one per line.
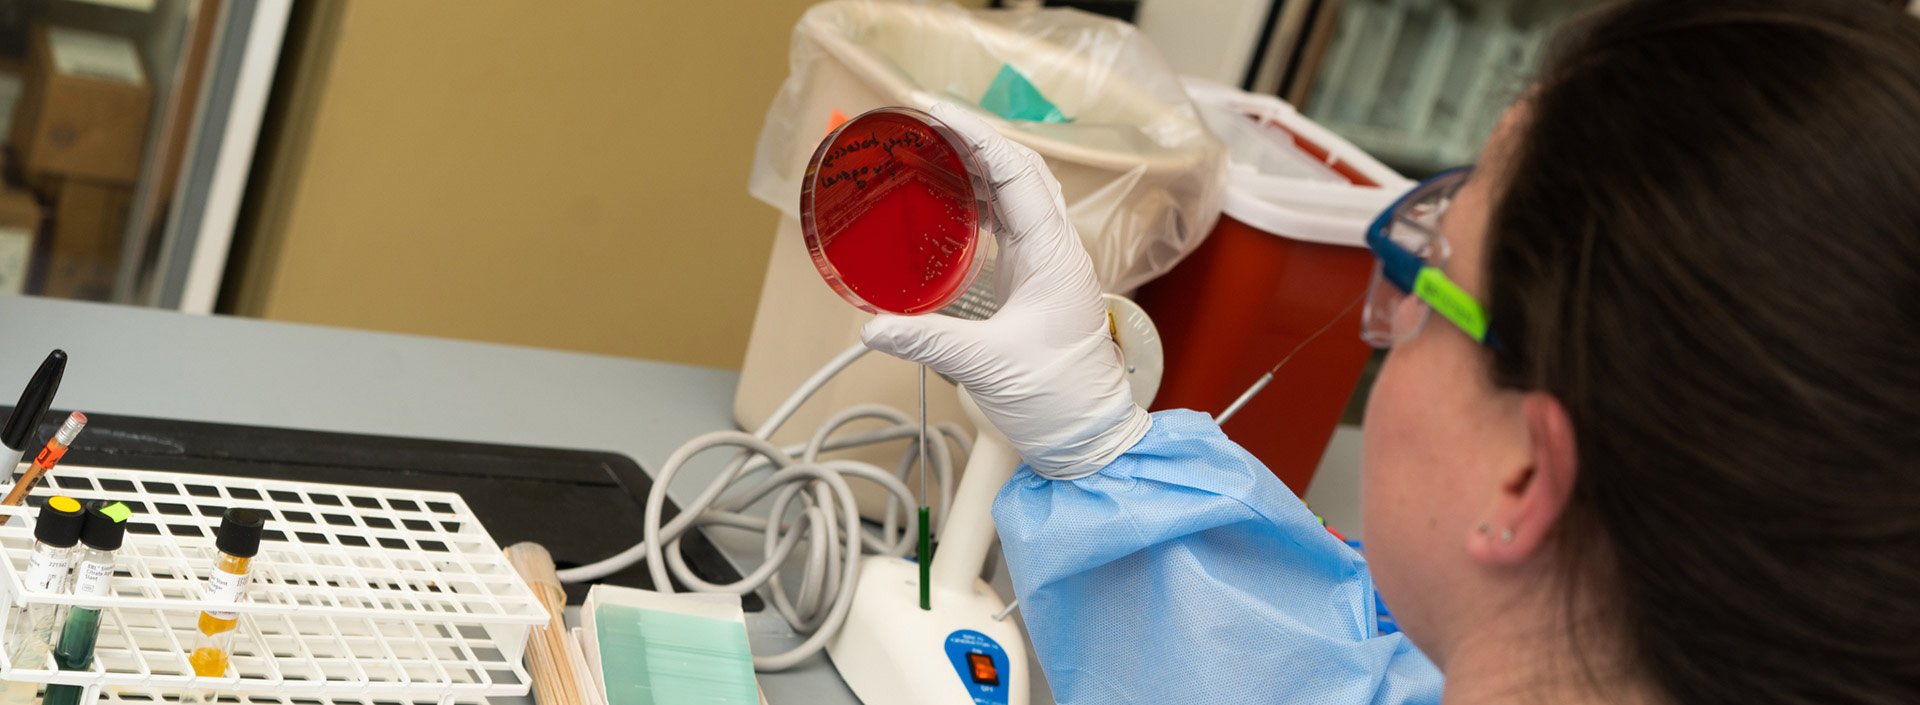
1393 316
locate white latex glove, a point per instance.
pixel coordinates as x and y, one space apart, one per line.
1044 369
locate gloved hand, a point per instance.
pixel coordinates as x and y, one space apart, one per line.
1044 369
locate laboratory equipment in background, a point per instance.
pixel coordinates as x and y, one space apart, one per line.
129 128
1420 83
1417 83
1286 264
1140 173
892 651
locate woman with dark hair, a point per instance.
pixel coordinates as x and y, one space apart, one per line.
1661 442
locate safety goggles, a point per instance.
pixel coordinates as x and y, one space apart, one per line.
1409 279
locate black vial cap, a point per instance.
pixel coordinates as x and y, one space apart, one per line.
106 525
59 522
240 533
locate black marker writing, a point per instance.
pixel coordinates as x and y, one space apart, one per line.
868 175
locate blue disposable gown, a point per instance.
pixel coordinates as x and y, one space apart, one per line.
1185 572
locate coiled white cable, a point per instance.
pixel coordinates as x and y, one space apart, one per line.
827 518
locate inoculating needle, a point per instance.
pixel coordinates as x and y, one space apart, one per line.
926 523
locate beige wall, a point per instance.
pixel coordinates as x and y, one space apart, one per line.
560 174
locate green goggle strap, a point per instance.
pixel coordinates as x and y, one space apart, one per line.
1447 298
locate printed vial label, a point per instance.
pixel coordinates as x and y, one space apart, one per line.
93 579
47 573
223 586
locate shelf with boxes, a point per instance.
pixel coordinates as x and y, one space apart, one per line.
75 145
356 593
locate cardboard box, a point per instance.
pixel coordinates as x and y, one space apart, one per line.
19 224
11 85
83 106
89 227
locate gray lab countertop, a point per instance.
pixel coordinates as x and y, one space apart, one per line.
164 364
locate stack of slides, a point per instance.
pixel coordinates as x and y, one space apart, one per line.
647 648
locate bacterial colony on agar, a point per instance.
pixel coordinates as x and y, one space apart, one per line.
893 206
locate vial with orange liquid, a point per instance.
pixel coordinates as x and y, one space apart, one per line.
238 541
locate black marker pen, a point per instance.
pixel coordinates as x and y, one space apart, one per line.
33 404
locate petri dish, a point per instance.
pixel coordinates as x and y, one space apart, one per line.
896 212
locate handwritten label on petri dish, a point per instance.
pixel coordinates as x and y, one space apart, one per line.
894 214
868 174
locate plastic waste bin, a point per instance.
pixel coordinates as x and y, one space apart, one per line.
1287 258
1141 173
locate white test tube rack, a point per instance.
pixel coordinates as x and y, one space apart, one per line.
359 595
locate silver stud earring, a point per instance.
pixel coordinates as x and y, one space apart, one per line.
1506 536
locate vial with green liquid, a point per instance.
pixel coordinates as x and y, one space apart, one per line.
100 538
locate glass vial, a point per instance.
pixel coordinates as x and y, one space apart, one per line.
54 534
100 537
238 541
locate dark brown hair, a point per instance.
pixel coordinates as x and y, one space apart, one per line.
1708 250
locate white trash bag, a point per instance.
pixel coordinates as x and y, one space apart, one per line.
1142 175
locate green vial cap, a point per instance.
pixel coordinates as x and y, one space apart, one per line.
106 525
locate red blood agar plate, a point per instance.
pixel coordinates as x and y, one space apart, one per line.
896 212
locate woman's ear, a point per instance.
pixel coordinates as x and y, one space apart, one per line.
1529 501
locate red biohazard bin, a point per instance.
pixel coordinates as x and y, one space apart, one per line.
1287 258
